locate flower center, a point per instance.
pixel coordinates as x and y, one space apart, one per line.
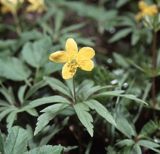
72 66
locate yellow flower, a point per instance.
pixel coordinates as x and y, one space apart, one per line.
146 10
36 6
73 59
10 5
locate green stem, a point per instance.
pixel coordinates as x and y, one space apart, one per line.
28 83
74 91
148 87
16 20
115 115
36 75
1 84
154 67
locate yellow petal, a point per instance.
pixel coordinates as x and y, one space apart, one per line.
86 65
153 9
142 5
36 5
58 57
71 48
85 53
68 71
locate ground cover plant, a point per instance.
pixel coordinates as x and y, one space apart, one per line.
79 77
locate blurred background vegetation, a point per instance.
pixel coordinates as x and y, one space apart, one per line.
31 30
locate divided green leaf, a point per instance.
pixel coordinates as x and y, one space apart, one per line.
36 54
101 110
46 149
84 116
14 69
16 141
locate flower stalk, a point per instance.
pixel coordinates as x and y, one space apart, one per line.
154 67
74 91
18 26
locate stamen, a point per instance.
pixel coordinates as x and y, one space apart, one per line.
73 66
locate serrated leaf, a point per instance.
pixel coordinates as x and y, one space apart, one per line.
124 126
136 149
148 144
133 97
32 112
35 54
54 108
125 142
101 110
42 121
58 85
110 93
11 118
119 93
6 111
126 150
84 116
47 100
1 144
16 141
46 149
50 113
149 128
8 94
14 69
52 131
21 93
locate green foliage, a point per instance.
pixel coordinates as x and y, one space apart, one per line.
149 128
101 110
124 126
9 106
84 99
46 149
114 103
58 85
14 69
49 113
1 143
120 34
150 145
16 141
84 116
35 53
